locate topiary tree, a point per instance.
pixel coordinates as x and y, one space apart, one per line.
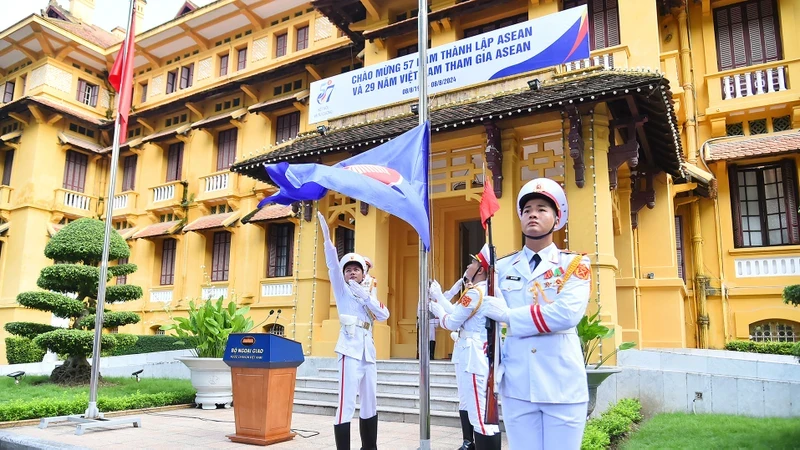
77 249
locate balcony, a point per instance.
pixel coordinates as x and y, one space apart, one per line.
671 68
74 202
161 295
276 288
167 195
218 184
214 292
124 203
608 58
752 86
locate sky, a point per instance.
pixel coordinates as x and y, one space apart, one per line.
108 13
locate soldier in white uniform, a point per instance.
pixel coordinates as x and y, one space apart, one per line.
358 312
545 292
469 353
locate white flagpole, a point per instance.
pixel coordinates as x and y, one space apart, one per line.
92 411
424 315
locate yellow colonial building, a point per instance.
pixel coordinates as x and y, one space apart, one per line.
689 217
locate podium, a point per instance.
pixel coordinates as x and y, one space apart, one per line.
263 373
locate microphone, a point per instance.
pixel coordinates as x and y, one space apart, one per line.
276 317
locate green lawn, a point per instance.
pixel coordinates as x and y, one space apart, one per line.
34 397
714 431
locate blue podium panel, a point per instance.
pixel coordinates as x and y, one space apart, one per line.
262 350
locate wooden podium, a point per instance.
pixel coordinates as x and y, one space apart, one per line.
263 372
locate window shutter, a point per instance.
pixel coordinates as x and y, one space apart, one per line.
612 23
733 177
679 247
340 241
8 165
272 250
81 90
129 173
790 196
93 99
174 162
770 31
290 249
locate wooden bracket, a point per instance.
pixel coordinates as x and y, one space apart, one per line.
576 145
628 151
641 198
364 208
494 157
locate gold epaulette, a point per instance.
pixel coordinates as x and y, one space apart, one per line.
572 252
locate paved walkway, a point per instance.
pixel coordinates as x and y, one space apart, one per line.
196 428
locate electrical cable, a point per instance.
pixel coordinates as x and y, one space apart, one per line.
205 419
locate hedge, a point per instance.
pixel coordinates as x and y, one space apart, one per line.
21 350
48 407
611 425
149 344
774 348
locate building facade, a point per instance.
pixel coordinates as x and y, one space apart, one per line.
689 217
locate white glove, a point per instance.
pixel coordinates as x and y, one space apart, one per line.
495 309
436 309
326 232
358 291
455 289
435 292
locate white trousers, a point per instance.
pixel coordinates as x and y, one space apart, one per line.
356 377
472 398
543 426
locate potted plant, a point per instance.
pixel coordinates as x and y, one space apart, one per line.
206 329
592 332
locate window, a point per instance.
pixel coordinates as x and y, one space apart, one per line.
288 125
773 331
174 162
129 173
764 203
75 171
223 65
8 164
144 92
24 80
226 148
345 240
241 59
159 332
220 257
747 34
187 75
168 262
302 38
469 32
280 45
274 328
171 77
87 93
122 279
679 247
604 25
407 50
8 93
280 245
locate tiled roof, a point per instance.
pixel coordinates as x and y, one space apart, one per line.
158 229
21 104
212 221
166 133
650 91
80 143
738 148
279 102
91 33
217 119
269 212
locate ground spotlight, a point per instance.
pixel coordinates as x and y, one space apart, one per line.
136 374
16 376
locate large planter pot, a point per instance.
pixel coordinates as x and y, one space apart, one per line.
595 378
212 379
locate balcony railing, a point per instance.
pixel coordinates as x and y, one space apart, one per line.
671 68
166 195
216 182
119 202
608 58
745 82
271 289
161 295
75 200
216 185
214 292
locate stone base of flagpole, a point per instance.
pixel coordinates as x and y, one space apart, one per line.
85 422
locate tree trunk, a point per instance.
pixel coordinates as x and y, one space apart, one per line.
75 370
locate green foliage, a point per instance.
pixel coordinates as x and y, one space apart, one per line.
28 329
773 348
791 294
123 293
208 326
70 278
122 269
58 304
20 350
125 340
611 425
592 333
152 343
81 241
111 319
73 342
796 350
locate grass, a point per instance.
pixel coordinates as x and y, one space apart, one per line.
714 431
38 387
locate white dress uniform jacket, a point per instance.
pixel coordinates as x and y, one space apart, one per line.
541 358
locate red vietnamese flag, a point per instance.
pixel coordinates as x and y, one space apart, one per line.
121 78
489 203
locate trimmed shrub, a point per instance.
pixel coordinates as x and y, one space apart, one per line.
21 350
791 295
28 329
594 438
773 348
613 424
150 344
111 319
73 342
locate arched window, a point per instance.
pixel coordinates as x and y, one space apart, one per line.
774 331
274 328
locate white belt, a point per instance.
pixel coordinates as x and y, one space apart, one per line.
364 325
569 331
469 334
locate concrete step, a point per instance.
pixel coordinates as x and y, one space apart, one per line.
400 376
384 387
413 365
390 400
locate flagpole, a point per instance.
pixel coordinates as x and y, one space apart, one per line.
424 319
92 411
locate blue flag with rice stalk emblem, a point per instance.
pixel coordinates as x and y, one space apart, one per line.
392 177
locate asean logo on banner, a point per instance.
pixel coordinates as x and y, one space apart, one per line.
385 175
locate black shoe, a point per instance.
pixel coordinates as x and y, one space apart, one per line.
487 442
466 431
342 434
369 433
432 348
